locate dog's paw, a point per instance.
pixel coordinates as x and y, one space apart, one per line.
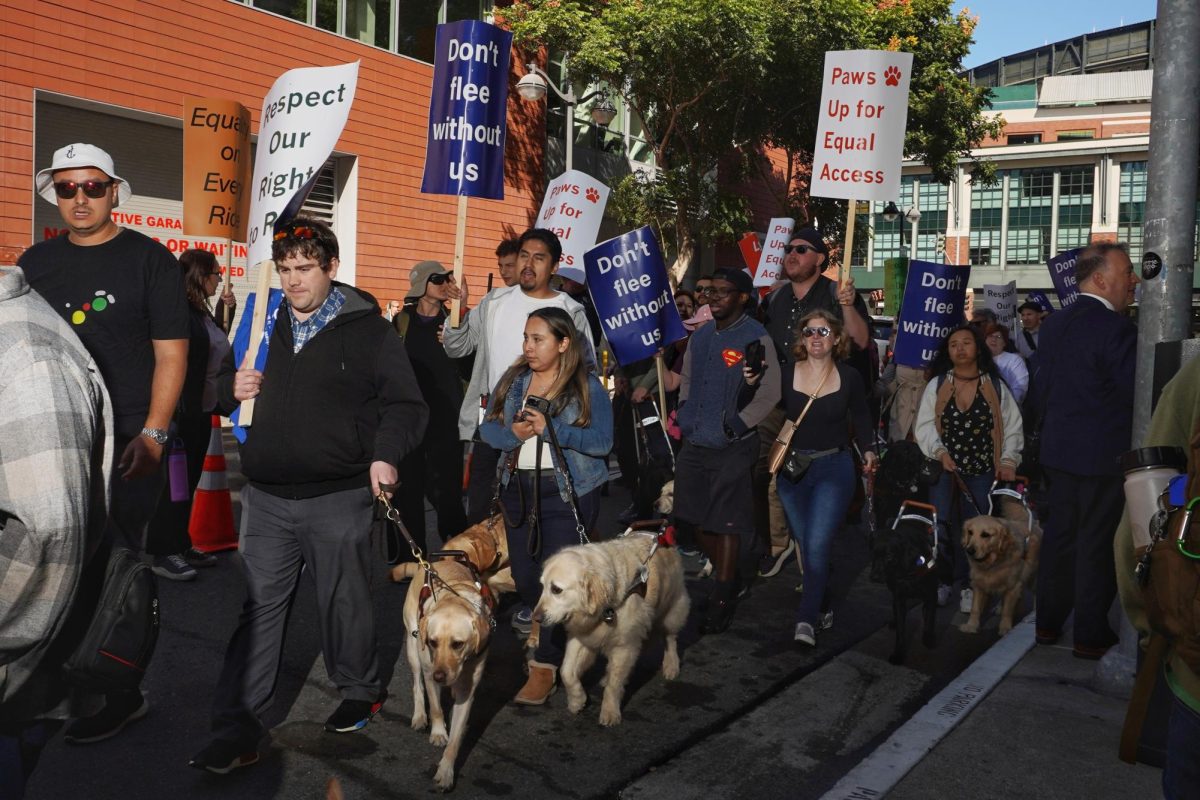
438 737
670 669
444 777
1005 626
969 627
610 716
576 701
419 722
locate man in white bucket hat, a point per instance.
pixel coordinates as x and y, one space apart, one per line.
122 294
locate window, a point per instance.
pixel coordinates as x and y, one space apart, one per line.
891 238
987 214
1067 136
1131 208
933 201
1030 209
1074 207
292 9
370 21
1024 138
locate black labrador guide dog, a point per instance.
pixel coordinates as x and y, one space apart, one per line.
904 540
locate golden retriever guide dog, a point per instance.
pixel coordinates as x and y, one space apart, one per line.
449 619
1003 554
595 591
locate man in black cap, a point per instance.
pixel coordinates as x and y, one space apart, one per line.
717 417
805 257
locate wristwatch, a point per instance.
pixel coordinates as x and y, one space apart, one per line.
157 434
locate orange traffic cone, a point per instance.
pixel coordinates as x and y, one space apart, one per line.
211 525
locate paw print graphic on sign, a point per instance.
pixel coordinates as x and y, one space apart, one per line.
891 76
592 195
102 301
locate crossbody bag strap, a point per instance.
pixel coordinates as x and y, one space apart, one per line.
786 440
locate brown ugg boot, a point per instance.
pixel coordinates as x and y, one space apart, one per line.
539 685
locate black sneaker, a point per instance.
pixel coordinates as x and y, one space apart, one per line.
352 715
118 712
221 757
173 567
771 564
199 558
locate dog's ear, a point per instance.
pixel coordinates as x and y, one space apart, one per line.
595 593
1006 539
422 628
482 632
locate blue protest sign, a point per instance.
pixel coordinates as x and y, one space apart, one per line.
629 286
934 299
1040 299
468 110
1062 273
241 344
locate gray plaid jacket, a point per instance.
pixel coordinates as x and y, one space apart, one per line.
56 456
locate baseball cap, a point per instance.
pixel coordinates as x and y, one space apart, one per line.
813 237
739 278
571 273
703 315
420 276
75 156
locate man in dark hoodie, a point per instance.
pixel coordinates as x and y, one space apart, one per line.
337 407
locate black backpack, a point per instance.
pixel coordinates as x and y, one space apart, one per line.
115 651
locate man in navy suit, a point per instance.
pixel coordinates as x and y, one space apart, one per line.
1084 396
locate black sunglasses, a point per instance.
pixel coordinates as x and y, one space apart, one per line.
803 249
440 278
93 189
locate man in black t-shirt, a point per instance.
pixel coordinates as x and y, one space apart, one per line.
435 467
805 256
122 294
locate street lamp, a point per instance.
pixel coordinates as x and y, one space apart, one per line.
891 213
533 86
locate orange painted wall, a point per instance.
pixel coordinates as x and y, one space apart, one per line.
149 54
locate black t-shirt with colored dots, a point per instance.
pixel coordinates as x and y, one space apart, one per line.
117 297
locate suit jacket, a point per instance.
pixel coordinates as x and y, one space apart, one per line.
1083 388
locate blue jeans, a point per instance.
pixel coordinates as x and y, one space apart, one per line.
1181 777
950 552
815 508
20 748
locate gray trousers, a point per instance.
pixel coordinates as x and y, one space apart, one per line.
331 535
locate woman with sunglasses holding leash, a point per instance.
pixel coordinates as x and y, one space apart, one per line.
552 421
826 394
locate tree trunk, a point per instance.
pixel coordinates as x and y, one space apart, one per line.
685 253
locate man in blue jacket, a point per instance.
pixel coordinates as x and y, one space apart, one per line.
718 415
1084 397
337 407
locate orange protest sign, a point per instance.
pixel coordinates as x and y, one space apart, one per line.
216 168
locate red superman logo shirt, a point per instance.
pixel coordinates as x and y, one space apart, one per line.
731 356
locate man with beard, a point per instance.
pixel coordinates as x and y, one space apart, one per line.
805 257
493 332
713 484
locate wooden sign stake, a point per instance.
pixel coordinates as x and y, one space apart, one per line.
460 235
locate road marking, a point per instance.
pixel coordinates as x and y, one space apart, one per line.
876 774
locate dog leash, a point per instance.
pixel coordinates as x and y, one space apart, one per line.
393 516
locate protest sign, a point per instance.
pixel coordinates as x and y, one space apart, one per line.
1040 299
468 110
751 246
934 298
860 129
573 208
1002 300
216 166
1062 273
770 261
895 273
629 287
302 117
244 346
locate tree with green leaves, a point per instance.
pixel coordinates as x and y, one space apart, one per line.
717 83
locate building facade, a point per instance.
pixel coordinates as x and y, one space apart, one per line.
116 73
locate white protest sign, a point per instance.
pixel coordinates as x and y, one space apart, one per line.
860 129
770 263
302 118
573 208
1002 300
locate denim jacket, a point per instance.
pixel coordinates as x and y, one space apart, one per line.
586 449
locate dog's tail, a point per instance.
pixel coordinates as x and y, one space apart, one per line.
405 571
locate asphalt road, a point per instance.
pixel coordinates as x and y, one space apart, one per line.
532 752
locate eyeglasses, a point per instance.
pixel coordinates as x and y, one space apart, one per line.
720 294
802 249
93 189
298 232
821 331
439 279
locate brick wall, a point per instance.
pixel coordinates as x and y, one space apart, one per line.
149 54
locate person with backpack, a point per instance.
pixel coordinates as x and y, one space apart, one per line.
969 421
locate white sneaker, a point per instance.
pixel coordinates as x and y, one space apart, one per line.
805 633
943 594
826 621
966 599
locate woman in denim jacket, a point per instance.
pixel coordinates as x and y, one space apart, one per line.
533 478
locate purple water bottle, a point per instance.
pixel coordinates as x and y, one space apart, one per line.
177 472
